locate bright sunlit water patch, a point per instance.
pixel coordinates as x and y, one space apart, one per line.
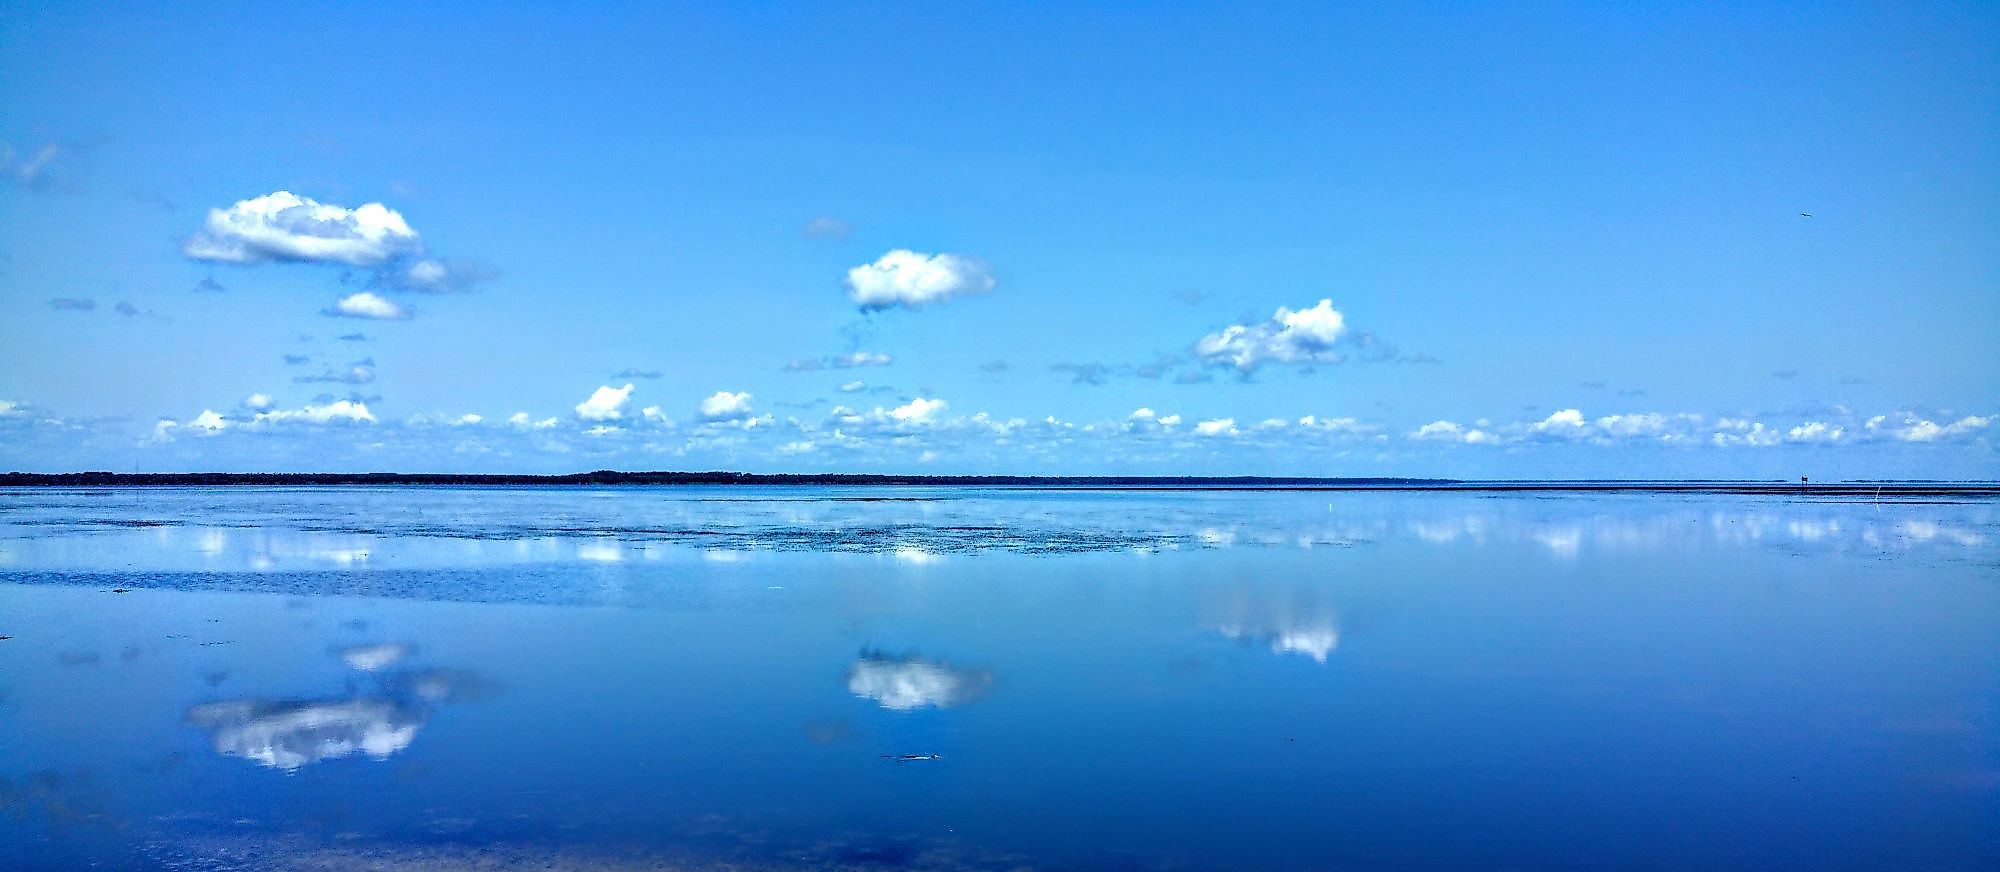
991 679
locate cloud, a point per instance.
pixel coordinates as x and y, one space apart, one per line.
726 406
359 373
285 227
209 286
336 412
605 404
827 228
72 304
522 420
33 170
1216 427
257 402
850 360
296 359
851 387
1302 336
125 308
630 373
433 275
1452 431
367 305
353 337
1915 429
922 410
914 279
909 683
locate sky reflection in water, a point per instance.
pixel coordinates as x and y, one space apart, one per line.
1159 680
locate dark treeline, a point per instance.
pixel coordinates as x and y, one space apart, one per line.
1245 482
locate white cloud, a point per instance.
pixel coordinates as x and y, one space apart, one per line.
824 227
914 279
9 407
466 419
1300 336
1568 422
366 304
726 406
522 419
605 404
1452 431
921 410
283 226
1916 429
853 386
435 275
258 402
208 422
1216 427
1815 431
336 411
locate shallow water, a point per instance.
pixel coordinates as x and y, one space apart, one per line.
630 677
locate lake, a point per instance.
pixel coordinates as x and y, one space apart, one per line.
958 678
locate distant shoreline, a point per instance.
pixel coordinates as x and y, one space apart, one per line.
1069 482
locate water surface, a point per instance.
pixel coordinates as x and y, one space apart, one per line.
629 677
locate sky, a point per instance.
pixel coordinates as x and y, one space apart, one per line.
1440 240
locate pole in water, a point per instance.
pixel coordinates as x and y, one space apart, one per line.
1802 484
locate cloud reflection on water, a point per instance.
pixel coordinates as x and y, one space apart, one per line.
909 683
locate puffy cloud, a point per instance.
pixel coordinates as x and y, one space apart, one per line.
1915 429
922 410
1564 423
1301 336
1452 431
855 385
283 226
1216 427
257 402
914 279
909 683
1814 431
338 411
209 423
522 420
726 406
605 404
1743 432
366 304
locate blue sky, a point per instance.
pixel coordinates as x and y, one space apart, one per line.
1552 241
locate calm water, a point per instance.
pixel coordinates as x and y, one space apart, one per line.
618 678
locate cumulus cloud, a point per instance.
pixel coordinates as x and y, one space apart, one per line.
257 402
922 410
283 226
1301 336
365 304
914 279
337 411
1915 429
605 404
1216 427
909 683
1452 431
726 406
